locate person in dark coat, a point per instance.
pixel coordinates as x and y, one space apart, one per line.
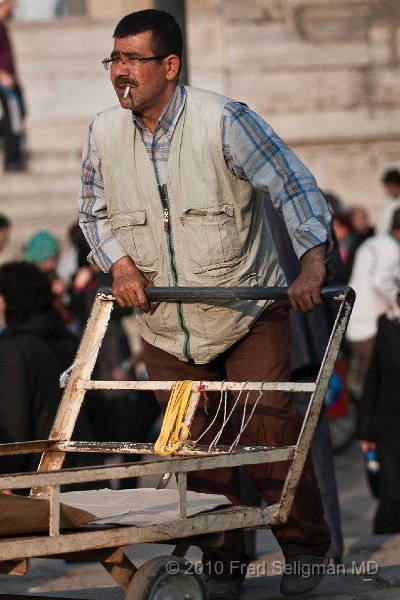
310 336
35 348
11 99
379 421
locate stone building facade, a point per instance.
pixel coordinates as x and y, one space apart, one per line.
324 73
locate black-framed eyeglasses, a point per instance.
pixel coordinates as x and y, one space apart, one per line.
133 61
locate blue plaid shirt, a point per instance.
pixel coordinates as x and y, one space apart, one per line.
252 151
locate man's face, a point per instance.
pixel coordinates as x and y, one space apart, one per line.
149 81
393 190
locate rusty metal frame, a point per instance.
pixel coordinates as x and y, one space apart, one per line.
49 477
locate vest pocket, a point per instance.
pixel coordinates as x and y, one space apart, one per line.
132 230
211 236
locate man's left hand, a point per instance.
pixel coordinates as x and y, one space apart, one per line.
304 293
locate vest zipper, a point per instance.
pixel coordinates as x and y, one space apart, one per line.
165 204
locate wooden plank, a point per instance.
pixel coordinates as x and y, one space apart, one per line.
210 386
157 467
54 517
120 568
182 487
226 519
26 447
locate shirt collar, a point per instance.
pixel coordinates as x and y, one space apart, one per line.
169 118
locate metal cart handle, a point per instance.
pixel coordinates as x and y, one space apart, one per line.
209 294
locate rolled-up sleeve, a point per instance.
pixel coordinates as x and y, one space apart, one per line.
254 152
92 210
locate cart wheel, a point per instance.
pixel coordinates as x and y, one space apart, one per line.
166 578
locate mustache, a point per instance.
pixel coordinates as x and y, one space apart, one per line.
126 81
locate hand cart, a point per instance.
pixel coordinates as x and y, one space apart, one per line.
153 581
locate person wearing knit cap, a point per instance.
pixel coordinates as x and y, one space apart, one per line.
43 250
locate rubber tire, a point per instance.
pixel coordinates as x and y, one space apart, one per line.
146 579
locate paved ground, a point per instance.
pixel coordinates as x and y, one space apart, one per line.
370 567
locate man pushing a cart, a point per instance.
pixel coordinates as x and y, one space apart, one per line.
174 185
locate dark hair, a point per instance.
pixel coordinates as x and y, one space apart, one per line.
392 176
26 291
396 219
4 222
344 219
167 35
333 202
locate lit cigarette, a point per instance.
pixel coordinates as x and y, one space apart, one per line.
127 90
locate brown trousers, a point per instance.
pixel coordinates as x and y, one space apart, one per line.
264 354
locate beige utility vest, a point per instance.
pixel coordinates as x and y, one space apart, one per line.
218 235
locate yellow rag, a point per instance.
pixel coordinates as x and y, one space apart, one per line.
174 431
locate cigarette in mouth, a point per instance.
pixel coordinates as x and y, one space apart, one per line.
127 90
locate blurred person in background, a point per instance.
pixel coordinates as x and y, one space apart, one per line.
43 250
391 184
361 224
310 336
35 349
5 230
379 421
336 270
72 263
68 262
375 279
334 203
346 242
12 104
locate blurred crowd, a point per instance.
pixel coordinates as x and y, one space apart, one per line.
370 263
46 298
45 301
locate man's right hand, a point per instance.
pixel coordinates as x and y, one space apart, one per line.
129 283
